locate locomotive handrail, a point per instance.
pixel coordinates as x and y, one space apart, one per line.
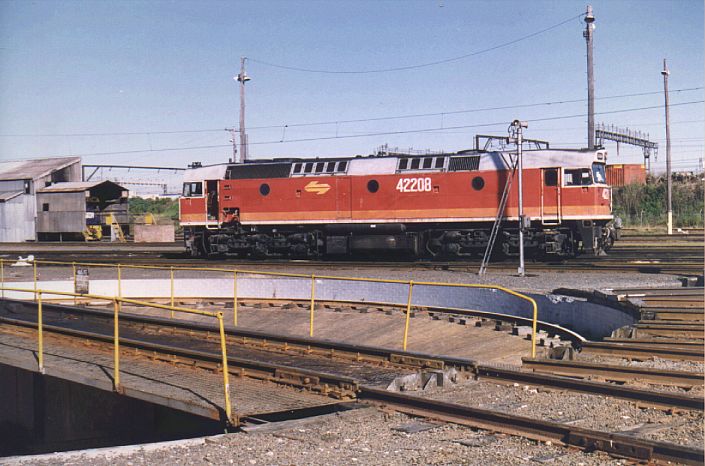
235 272
116 332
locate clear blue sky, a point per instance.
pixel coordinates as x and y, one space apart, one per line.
76 67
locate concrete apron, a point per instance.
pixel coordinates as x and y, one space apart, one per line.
589 320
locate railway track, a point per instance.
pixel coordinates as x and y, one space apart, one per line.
343 386
616 444
682 254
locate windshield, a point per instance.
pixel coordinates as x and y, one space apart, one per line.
598 173
577 177
193 189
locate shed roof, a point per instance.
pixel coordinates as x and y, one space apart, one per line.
34 169
75 186
8 195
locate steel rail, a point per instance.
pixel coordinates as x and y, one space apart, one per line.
393 357
668 400
613 372
639 351
587 439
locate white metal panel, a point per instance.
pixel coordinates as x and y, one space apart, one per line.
212 172
373 166
17 219
545 159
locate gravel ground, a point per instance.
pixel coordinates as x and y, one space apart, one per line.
362 436
579 409
654 363
539 282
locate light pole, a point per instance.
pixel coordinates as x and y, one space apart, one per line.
242 78
589 28
665 74
517 132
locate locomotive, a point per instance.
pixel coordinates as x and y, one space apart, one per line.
430 206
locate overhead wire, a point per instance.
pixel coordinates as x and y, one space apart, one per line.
421 65
357 120
381 133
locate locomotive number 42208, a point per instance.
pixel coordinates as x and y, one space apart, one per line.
414 185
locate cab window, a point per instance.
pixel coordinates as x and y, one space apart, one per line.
598 173
577 177
193 189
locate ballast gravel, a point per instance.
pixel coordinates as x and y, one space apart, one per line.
579 409
362 436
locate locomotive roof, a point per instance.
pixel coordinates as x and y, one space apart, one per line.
381 164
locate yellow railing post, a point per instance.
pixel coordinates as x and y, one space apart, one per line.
2 276
40 334
226 379
34 267
408 315
235 298
313 303
119 285
73 269
171 282
533 328
116 345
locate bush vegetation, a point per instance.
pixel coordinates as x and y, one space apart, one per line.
645 204
164 210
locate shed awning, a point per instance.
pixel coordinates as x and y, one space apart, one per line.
8 195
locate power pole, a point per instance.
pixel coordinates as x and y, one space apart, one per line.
242 78
589 28
665 74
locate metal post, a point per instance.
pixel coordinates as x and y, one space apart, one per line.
34 267
40 333
2 276
518 128
242 78
116 345
235 298
73 270
408 315
313 295
669 206
589 28
226 380
119 285
533 328
171 283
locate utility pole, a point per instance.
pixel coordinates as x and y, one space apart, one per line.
587 34
517 134
665 74
242 78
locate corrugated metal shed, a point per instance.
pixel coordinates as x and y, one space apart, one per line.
72 187
34 169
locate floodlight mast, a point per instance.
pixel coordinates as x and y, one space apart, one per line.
589 28
242 78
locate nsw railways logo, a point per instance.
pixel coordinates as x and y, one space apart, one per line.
316 187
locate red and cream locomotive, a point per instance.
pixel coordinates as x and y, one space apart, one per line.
417 205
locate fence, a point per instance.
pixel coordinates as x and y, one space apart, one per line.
234 273
117 301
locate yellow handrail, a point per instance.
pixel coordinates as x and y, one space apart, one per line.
116 335
320 277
